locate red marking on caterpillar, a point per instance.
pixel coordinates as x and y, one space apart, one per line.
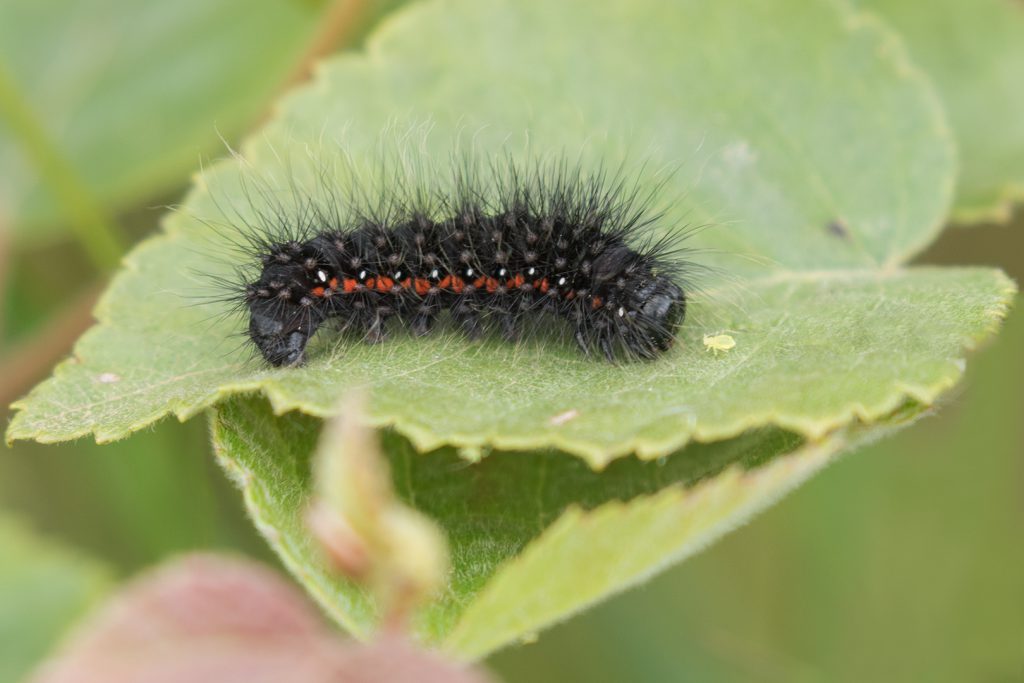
542 243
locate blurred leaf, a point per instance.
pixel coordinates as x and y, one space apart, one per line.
133 93
93 228
133 502
974 52
43 588
534 536
209 618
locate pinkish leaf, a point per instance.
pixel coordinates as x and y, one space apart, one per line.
210 618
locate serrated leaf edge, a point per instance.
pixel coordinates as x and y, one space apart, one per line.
596 455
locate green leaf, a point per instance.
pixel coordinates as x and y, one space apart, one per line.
534 536
974 52
798 129
586 555
781 152
44 588
132 93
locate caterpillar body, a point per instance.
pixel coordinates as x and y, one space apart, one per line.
501 253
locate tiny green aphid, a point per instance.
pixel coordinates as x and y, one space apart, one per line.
719 342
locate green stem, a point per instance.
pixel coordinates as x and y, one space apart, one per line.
93 228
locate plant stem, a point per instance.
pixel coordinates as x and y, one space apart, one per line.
92 227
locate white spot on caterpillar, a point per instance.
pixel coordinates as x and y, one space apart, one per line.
622 312
719 342
562 418
321 276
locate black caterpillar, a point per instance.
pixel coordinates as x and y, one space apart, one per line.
495 253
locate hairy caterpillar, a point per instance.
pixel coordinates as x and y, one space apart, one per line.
505 250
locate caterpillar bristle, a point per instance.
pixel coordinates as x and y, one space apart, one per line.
502 247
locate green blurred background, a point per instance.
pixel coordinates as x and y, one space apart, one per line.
901 562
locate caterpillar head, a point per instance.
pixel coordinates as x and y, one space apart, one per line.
650 305
282 315
659 307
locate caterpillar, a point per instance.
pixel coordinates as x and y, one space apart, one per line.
544 242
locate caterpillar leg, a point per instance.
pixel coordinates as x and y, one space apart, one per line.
421 325
376 334
377 331
469 320
582 341
599 336
510 331
422 318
